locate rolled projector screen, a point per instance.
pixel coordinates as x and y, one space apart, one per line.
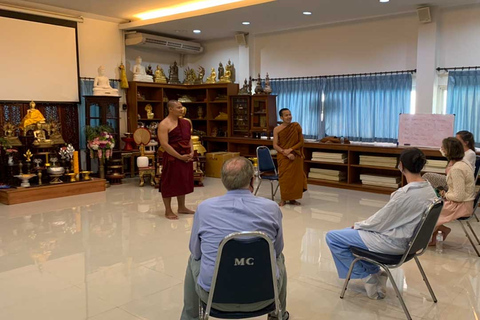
38 61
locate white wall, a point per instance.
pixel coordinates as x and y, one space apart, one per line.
459 43
99 43
369 46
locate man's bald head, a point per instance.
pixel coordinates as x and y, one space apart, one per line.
237 173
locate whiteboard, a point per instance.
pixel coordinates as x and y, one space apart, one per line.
425 130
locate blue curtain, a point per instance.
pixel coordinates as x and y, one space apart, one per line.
463 100
304 99
86 89
366 108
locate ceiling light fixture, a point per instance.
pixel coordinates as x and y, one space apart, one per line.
197 31
384 1
246 23
307 13
197 5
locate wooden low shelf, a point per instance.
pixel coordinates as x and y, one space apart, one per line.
247 147
50 191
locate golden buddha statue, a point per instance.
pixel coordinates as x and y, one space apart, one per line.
227 78
9 132
212 77
197 145
55 134
41 140
32 117
159 76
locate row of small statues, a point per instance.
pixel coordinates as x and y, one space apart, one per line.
259 89
225 75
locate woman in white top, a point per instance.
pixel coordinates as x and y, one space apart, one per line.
439 181
458 200
468 142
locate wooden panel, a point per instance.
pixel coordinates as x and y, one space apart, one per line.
23 195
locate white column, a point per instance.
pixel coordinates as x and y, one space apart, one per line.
426 64
243 64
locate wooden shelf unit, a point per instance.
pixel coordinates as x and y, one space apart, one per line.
140 94
352 169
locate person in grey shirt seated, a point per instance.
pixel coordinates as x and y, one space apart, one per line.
238 210
389 230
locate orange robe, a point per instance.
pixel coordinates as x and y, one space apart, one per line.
291 176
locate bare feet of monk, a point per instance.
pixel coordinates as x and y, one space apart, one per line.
185 210
171 216
281 203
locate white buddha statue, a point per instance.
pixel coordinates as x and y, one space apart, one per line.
101 85
139 73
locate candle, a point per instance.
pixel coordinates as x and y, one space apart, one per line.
76 168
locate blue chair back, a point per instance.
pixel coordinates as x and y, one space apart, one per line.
477 166
265 161
245 272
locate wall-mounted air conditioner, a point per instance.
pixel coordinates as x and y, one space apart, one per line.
162 43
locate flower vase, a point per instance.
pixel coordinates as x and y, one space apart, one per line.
101 168
10 160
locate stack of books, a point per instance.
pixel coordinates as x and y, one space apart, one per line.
380 181
326 174
437 166
329 157
376 161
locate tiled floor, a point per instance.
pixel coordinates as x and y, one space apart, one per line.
112 256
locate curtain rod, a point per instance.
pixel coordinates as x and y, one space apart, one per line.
346 75
458 68
88 78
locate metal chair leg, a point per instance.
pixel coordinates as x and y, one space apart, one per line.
258 187
397 291
469 239
347 279
476 217
278 185
271 187
473 232
424 276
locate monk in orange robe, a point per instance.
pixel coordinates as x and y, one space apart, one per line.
288 141
177 171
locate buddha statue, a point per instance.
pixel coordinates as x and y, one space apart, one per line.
245 89
197 145
159 76
32 117
173 74
231 68
139 73
212 77
201 75
221 71
227 78
55 134
9 132
101 85
268 88
41 140
123 77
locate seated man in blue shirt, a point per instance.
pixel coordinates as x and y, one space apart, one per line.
215 218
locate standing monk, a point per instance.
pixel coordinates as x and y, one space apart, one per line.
288 141
177 173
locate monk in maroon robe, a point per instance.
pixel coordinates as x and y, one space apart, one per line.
177 172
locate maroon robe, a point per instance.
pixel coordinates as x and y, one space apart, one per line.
177 175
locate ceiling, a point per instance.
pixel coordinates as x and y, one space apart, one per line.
265 18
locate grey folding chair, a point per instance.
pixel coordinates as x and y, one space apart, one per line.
416 247
466 220
266 169
245 273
